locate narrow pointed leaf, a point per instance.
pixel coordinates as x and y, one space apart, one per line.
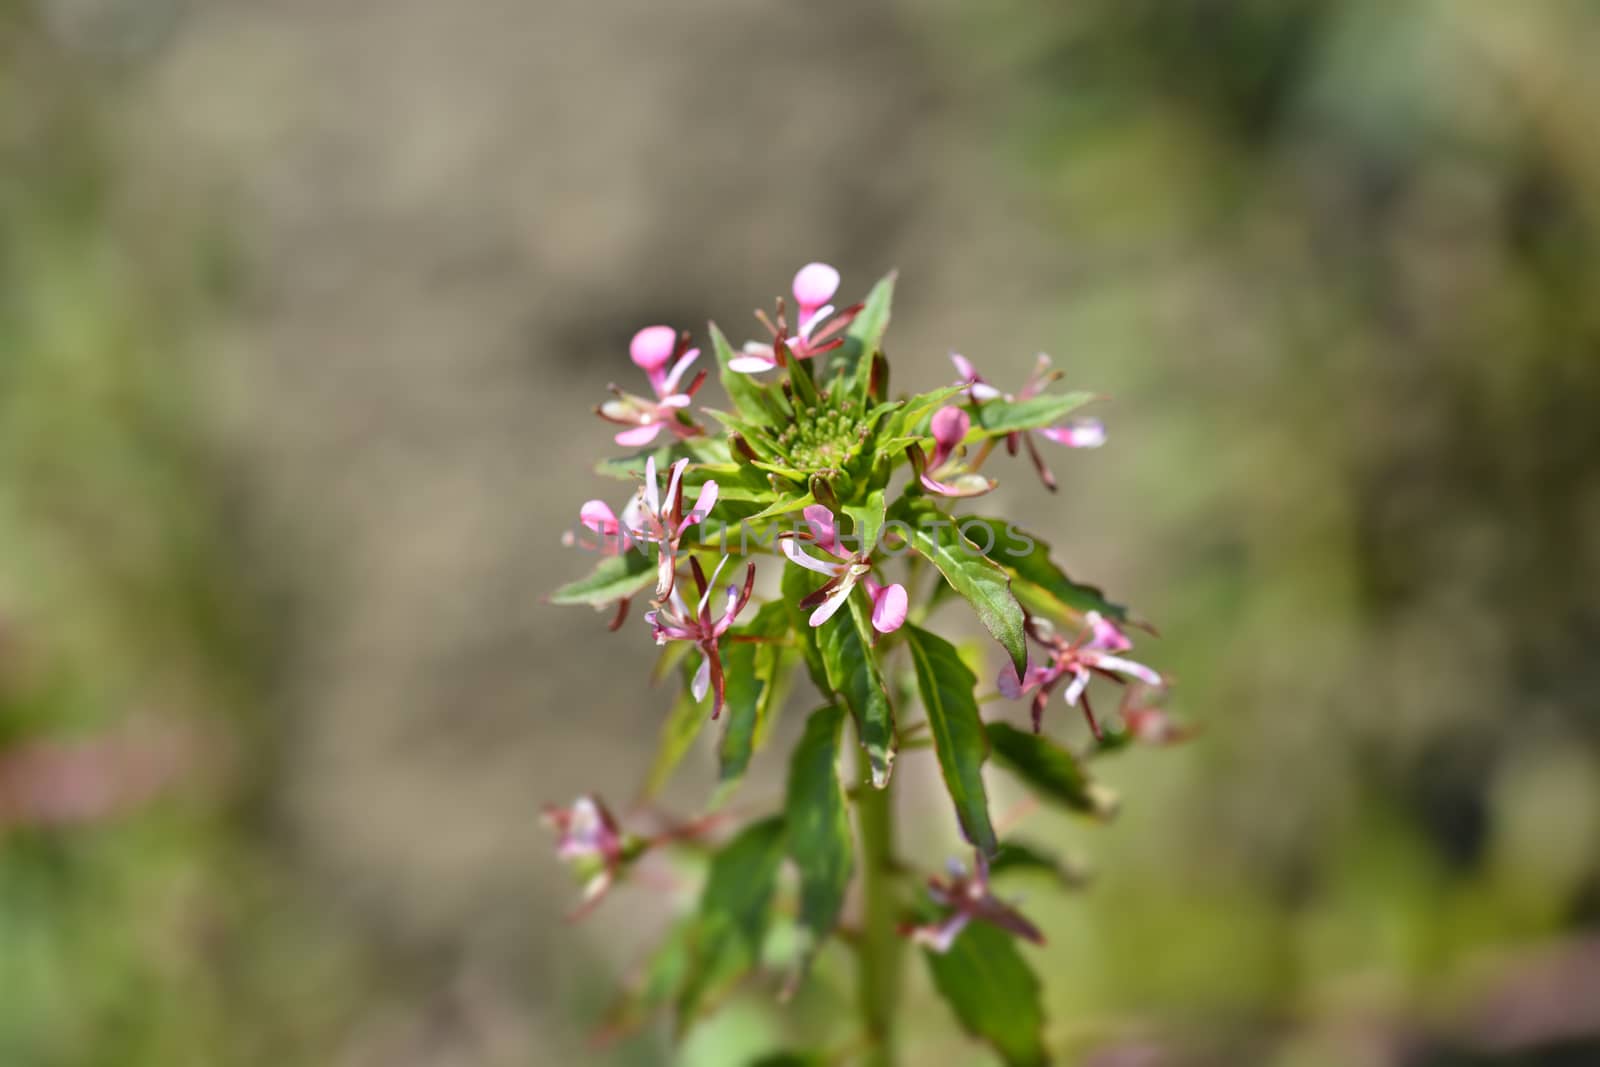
993 992
819 828
735 908
853 359
1051 770
1036 580
946 686
851 665
982 582
613 578
747 394
999 417
753 670
1016 857
678 732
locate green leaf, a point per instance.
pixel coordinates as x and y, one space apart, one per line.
612 579
1052 771
819 828
678 732
845 642
735 907
791 1059
754 686
868 519
783 507
984 583
947 686
853 359
916 410
993 992
749 396
1037 581
999 417
796 584
1017 857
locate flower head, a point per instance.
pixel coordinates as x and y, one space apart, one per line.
945 473
1092 652
844 569
1074 433
656 516
665 358
817 328
587 837
967 898
674 621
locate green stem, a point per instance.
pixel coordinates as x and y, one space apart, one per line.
882 949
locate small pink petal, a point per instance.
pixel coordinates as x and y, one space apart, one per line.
703 504
1128 667
832 604
964 367
949 426
815 284
598 516
639 435
750 363
676 400
820 519
702 679
653 346
669 384
791 548
889 605
1105 635
1079 433
1007 682
1080 682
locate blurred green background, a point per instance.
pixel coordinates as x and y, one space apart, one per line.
303 307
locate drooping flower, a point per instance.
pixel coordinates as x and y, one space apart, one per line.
673 621
1074 433
968 898
1146 721
588 838
657 518
844 569
945 473
665 358
817 328
1092 652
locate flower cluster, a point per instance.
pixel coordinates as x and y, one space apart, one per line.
822 538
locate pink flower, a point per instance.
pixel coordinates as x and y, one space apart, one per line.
588 838
1074 433
844 569
673 621
1147 722
817 328
945 474
969 898
657 518
665 358
1092 652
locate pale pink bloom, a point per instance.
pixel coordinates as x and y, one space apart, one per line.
968 898
665 358
817 328
844 569
588 838
674 621
1147 722
945 472
1074 433
1091 653
657 518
